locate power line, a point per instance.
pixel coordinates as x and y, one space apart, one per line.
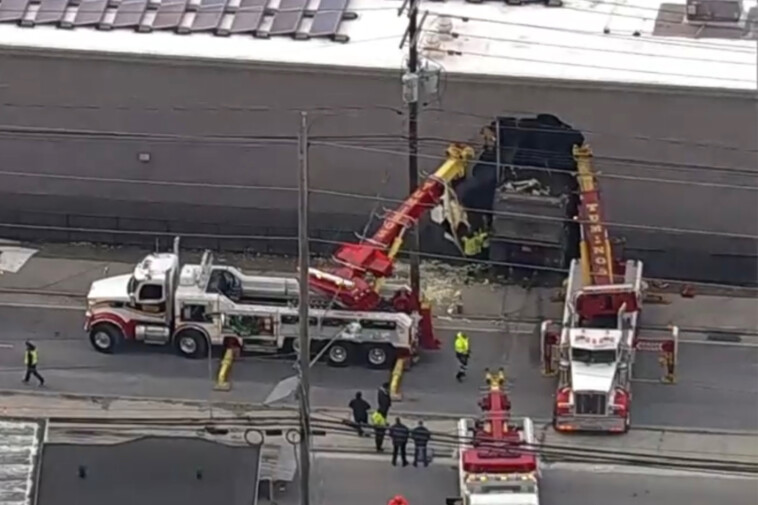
457 52
445 257
661 42
548 170
54 135
617 160
366 196
259 141
462 35
336 110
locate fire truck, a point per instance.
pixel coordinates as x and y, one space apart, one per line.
497 461
592 350
356 314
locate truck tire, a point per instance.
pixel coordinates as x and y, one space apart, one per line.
106 338
192 344
380 357
339 354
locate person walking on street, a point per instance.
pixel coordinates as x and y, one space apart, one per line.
383 399
31 358
420 436
399 434
379 423
462 353
360 408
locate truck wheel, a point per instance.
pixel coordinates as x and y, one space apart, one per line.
380 356
191 344
339 354
105 338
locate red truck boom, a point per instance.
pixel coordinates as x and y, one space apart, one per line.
360 269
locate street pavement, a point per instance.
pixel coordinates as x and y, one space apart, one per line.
338 480
716 386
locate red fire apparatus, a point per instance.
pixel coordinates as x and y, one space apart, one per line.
592 351
360 269
497 461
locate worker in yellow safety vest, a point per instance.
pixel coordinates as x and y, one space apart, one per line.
31 359
462 353
472 245
379 423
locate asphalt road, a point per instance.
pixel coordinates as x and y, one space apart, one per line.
716 384
349 481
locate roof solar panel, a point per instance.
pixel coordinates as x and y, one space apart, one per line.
90 12
129 13
51 11
248 17
13 10
288 17
328 17
169 14
208 15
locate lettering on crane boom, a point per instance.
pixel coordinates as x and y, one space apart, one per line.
597 243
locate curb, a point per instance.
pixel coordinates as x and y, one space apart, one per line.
440 416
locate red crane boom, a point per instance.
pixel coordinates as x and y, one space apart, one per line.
355 281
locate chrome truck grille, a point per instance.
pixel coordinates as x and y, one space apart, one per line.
591 403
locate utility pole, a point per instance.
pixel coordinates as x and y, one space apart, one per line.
411 96
305 348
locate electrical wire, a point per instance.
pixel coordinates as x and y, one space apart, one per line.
405 154
573 64
731 48
71 135
445 257
520 41
281 424
348 110
364 196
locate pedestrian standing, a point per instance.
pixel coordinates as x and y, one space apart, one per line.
462 353
31 358
399 434
420 436
360 408
379 423
383 399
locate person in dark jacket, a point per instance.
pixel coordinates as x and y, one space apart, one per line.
383 400
421 437
360 408
30 360
399 434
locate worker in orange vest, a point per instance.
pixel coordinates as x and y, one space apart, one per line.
398 500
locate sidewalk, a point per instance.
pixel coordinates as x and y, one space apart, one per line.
331 435
66 271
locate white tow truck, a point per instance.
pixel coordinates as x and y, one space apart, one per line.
592 350
194 307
